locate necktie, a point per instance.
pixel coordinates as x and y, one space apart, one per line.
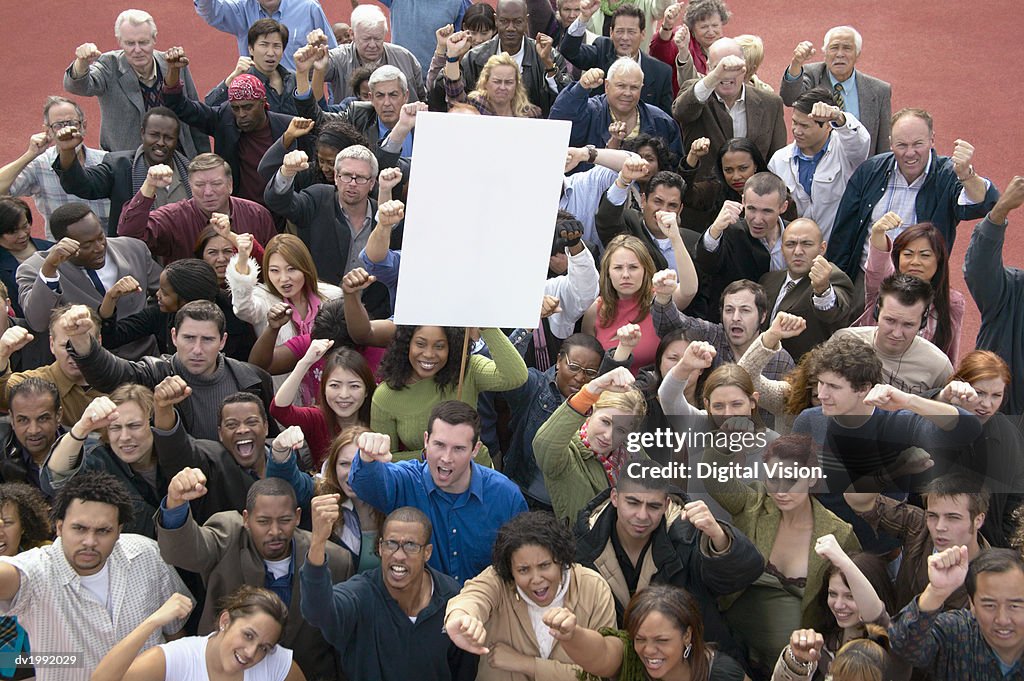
837 95
96 281
782 296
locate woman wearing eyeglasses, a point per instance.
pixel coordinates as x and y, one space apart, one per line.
783 520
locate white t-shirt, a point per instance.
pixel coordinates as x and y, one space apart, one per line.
185 660
99 586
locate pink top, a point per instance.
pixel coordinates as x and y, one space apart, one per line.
310 388
644 352
878 267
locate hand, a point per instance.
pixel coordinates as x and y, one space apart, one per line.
407 114
730 67
176 58
959 393
948 569
1012 199
592 78
87 52
356 280
389 179
441 35
787 325
820 274
700 147
508 659
665 283
682 40
175 609
549 306
294 163
317 349
66 248
617 130
730 214
700 516
77 321
326 510
669 223
828 548
124 286
633 169
468 633
587 9
170 391
671 17
278 315
243 243
628 336
698 356
290 440
304 58
618 380
823 112
390 213
68 138
374 447
12 340
221 224
458 44
887 397
241 66
38 143
804 51
561 622
575 156
188 484
572 237
159 176
963 152
100 413
543 45
316 38
738 424
887 222
298 127
910 461
806 644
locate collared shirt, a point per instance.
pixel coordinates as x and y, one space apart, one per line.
900 197
774 248
581 195
465 525
357 237
384 133
737 112
40 182
807 165
59 614
73 397
518 56
851 99
617 196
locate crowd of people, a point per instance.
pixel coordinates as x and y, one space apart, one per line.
742 441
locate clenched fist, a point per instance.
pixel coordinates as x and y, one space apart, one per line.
592 78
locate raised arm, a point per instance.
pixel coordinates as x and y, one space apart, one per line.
697 357
869 605
290 388
363 330
37 144
987 277
594 653
100 413
773 393
505 371
122 663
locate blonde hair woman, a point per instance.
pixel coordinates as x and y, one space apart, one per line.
499 89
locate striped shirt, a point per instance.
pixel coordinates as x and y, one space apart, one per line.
40 182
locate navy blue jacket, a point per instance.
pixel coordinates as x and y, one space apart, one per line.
657 89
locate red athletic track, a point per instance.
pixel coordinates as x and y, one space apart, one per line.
961 63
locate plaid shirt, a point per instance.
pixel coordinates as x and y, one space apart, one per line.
948 645
40 182
667 318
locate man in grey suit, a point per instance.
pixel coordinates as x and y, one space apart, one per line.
82 267
868 99
128 82
810 287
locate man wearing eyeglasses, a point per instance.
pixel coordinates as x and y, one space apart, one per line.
128 82
31 174
261 546
386 623
334 221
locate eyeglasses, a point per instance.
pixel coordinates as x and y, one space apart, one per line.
575 368
345 178
57 125
411 548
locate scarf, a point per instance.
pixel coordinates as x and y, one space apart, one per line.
140 168
612 462
545 641
700 60
305 326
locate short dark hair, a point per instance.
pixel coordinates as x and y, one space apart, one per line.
666 178
628 11
536 528
241 397
991 560
666 157
34 387
67 215
907 289
455 413
851 358
765 183
792 447
806 101
201 311
358 77
581 340
193 279
338 134
160 111
955 485
409 514
269 487
96 486
12 210
262 27
479 17
760 297
640 474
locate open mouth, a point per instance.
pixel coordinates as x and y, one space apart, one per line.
654 663
399 572
445 474
241 660
427 367
245 448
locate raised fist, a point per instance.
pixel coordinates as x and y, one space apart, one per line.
682 40
887 222
291 439
629 336
587 9
618 380
77 321
325 510
294 163
665 282
823 112
617 130
389 179
458 44
963 152
730 214
549 306
820 274
633 169
390 213
671 17
804 51
700 147
100 413
278 315
87 52
699 355
787 325
175 609
592 78
374 447
176 58
298 126
159 176
68 138
188 484
543 45
170 392
356 280
123 286
12 340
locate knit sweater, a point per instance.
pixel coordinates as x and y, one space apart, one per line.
402 414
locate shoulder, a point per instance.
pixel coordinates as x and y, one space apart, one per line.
871 82
137 548
128 244
226 520
399 51
249 207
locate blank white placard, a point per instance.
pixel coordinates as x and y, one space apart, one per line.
480 219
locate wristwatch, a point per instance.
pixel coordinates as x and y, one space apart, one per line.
592 151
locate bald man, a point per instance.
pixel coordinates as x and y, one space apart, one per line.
810 287
720 106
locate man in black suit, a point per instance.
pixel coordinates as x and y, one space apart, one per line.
627 32
810 287
121 173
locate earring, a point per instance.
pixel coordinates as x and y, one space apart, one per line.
686 651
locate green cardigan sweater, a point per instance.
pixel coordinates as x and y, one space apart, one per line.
756 515
403 414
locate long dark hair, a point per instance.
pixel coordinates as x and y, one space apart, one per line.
680 608
943 338
395 369
727 193
350 360
874 570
